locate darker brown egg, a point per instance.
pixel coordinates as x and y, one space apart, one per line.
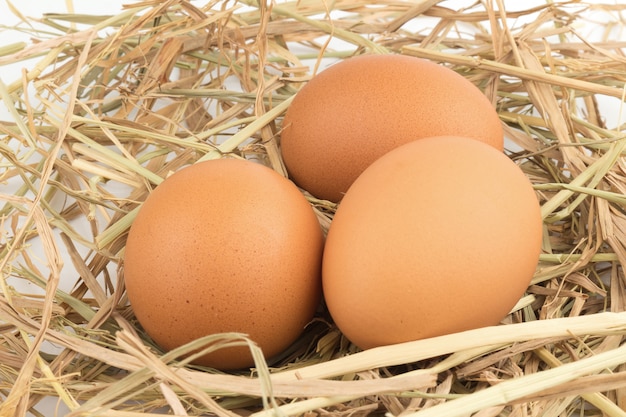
357 110
225 246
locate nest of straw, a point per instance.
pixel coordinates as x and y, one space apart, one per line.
107 106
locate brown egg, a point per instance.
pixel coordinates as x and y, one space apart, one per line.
225 246
438 236
357 110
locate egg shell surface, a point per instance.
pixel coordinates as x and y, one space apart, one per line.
438 236
225 245
355 111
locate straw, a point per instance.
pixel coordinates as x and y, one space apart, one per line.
107 107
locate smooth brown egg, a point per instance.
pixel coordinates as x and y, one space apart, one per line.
225 246
357 110
438 236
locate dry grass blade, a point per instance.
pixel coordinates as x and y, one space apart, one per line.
514 71
107 107
508 391
612 323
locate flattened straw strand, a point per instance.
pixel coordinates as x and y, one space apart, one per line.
95 351
103 172
16 11
37 70
114 158
172 399
224 126
83 270
83 309
73 39
159 368
64 394
111 233
263 386
304 406
29 179
134 384
606 195
522 73
411 13
262 87
605 323
301 407
244 134
17 400
510 390
189 142
12 48
106 129
329 28
609 135
128 413
229 384
599 400
560 258
598 46
594 174
598 383
5 97
324 47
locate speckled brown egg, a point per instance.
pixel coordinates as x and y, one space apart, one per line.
437 236
225 245
357 110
